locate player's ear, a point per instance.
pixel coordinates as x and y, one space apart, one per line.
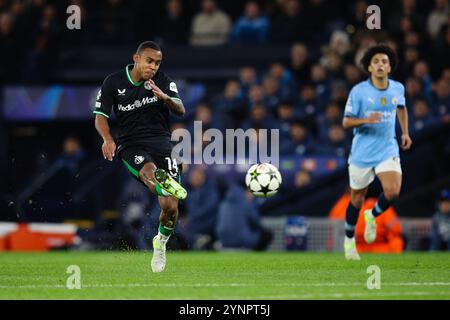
369 68
136 58
389 69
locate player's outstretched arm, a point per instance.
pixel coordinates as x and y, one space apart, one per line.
349 122
176 106
109 146
402 114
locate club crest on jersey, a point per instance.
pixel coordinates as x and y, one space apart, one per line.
138 159
173 87
383 101
147 85
394 101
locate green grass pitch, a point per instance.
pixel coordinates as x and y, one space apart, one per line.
224 275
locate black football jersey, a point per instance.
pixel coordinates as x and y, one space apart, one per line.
140 115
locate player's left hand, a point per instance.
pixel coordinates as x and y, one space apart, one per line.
406 142
158 92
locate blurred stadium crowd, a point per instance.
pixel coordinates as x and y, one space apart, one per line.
302 94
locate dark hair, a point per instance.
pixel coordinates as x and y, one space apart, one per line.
381 48
148 45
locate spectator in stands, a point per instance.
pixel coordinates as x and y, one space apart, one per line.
231 105
421 71
204 114
285 114
413 90
114 21
332 115
211 27
272 94
332 63
73 154
252 27
321 81
359 14
300 64
176 25
239 223
422 117
440 232
336 143
287 25
302 178
259 118
339 92
201 208
339 43
10 52
284 77
352 75
206 118
441 99
389 230
300 142
247 78
256 95
443 48
410 58
307 105
438 17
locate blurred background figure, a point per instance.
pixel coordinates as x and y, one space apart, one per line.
239 223
252 27
389 230
210 27
440 235
200 214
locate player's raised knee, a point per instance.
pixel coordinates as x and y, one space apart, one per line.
392 193
147 173
357 199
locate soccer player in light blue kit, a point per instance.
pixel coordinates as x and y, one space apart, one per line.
371 110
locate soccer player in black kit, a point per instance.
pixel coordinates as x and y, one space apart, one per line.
142 98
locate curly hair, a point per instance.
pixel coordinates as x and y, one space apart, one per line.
380 48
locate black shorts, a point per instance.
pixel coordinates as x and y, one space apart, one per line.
135 157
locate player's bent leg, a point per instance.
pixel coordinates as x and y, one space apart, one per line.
391 183
169 185
351 217
147 176
168 218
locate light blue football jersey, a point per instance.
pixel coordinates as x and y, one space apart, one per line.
374 143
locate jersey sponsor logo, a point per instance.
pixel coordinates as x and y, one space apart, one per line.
147 85
173 87
137 104
98 105
138 159
121 92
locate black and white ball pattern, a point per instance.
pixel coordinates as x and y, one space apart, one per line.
263 180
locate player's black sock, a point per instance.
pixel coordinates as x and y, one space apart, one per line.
381 205
351 217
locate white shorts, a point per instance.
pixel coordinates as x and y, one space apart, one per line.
360 178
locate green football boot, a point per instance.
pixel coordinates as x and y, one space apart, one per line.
169 184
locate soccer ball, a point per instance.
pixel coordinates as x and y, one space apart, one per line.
263 180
